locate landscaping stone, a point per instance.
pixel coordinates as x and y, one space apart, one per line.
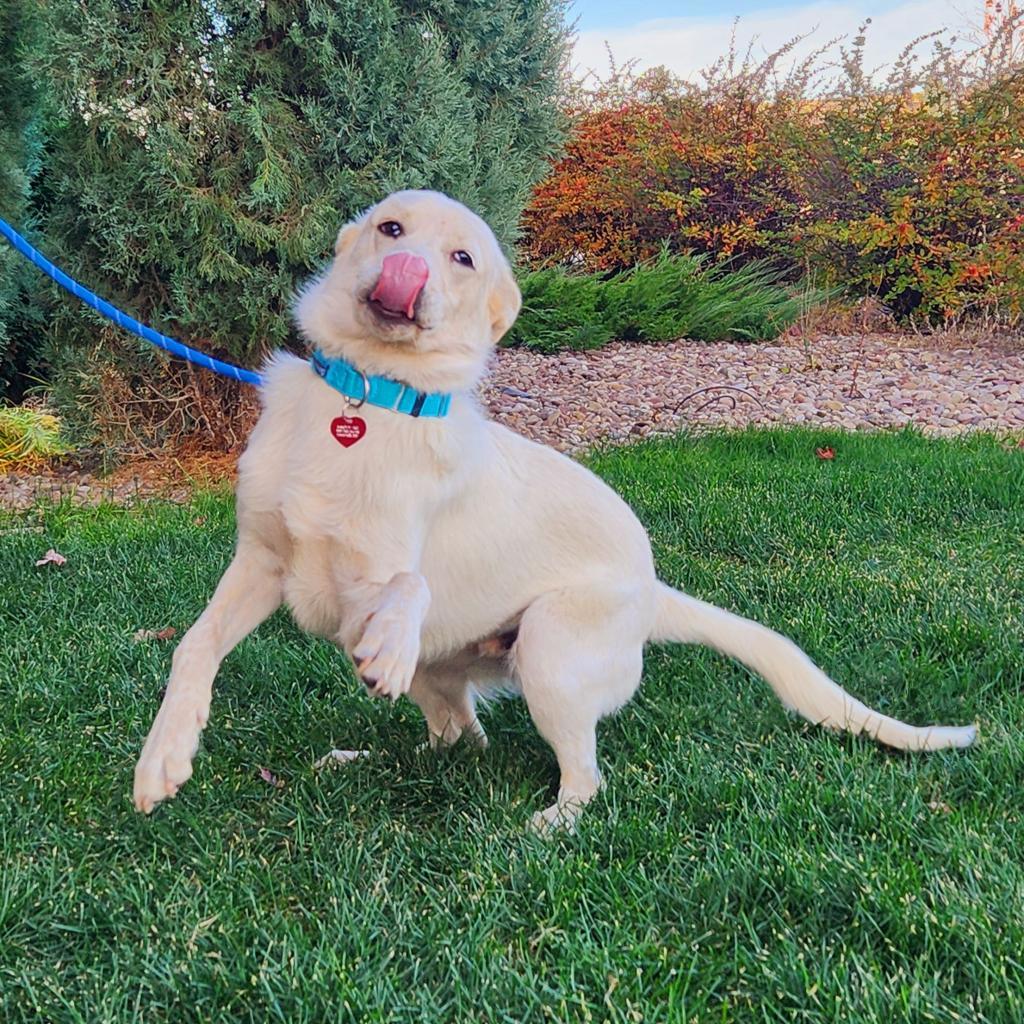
875 382
574 400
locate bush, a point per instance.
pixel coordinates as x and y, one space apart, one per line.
20 144
674 297
920 203
700 176
910 189
561 310
28 437
663 299
204 157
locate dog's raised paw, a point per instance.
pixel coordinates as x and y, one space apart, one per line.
386 655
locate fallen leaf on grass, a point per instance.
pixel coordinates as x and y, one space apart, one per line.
941 806
270 778
199 520
154 634
52 557
340 756
825 453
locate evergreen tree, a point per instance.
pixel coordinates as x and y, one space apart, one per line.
19 150
210 149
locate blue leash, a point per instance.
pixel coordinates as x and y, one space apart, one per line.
121 319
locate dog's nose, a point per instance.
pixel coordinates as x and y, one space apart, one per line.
402 277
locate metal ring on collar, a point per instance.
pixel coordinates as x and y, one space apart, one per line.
366 390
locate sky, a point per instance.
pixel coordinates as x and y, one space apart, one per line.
686 35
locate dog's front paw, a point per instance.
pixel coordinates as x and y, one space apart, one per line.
386 654
166 760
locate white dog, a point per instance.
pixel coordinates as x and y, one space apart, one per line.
447 555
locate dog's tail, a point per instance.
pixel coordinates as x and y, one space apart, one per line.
796 680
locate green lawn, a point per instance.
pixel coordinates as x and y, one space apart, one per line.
739 866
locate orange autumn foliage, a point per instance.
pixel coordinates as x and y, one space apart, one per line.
914 197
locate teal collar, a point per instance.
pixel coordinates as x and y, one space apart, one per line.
381 391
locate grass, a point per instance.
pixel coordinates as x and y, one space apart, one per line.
740 866
672 296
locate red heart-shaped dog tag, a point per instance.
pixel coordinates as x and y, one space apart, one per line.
346 430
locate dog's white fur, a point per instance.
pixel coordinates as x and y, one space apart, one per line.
424 549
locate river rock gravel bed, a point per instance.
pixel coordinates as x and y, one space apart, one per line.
574 400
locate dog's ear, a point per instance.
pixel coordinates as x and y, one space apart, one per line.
503 303
347 237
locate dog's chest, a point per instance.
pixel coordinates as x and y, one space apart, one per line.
350 472
361 481
355 498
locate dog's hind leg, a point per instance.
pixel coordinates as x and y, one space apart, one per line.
447 698
445 695
579 657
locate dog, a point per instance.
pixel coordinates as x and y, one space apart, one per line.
448 556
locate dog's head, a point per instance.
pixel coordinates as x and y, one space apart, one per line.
418 290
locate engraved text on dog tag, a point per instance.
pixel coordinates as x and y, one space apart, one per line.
346 430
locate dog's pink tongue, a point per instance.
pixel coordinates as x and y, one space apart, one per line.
402 277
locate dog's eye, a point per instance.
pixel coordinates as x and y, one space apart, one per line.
462 257
390 227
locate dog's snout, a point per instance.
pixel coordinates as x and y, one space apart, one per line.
402 277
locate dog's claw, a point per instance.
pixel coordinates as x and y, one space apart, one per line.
386 656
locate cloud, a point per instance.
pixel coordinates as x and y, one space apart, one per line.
685 45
